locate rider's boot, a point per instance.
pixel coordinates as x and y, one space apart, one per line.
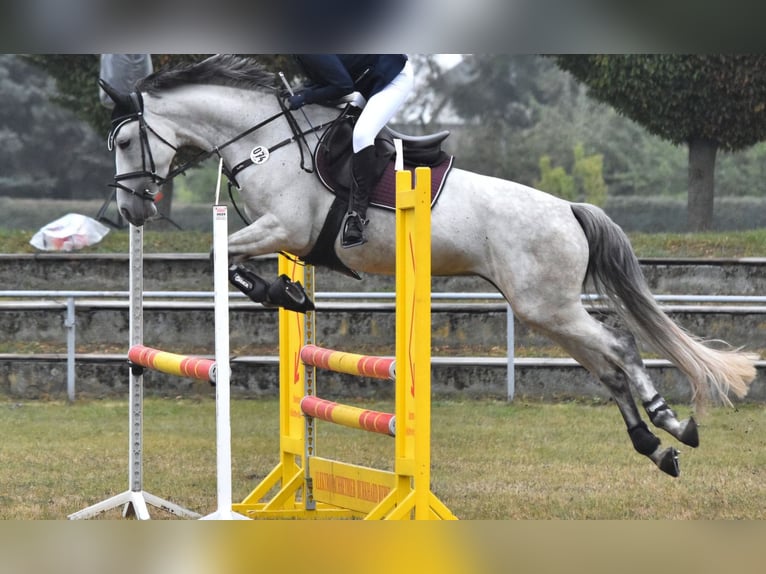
355 220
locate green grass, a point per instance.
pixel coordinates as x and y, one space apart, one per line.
490 460
117 241
708 245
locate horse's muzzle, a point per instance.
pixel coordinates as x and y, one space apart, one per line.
136 208
139 219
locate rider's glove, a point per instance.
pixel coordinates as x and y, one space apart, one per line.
296 101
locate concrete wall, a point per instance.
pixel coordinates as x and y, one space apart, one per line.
254 377
193 272
479 327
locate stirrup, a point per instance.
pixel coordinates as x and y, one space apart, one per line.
349 238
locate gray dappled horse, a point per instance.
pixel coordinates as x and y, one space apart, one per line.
538 250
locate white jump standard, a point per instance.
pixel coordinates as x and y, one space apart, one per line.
135 500
218 371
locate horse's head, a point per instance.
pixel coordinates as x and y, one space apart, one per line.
143 154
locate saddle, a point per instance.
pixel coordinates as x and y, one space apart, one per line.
332 158
333 154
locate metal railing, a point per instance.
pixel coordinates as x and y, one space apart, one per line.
70 298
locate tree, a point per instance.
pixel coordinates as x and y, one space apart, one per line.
585 184
45 151
493 103
707 102
555 180
507 112
508 88
77 90
76 79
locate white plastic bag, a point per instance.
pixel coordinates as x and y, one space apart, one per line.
73 231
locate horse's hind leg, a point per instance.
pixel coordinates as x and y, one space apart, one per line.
618 379
613 358
661 415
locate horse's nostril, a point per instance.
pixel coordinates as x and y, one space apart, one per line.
127 216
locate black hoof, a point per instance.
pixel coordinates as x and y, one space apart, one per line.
290 295
668 462
690 436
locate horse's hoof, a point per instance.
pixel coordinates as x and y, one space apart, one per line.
668 462
689 436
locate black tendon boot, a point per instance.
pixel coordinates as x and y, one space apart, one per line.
362 168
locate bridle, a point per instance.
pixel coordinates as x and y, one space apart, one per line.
149 168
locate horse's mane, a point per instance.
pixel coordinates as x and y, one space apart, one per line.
219 70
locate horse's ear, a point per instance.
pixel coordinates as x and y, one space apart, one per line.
120 100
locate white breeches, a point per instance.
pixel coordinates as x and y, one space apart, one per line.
381 108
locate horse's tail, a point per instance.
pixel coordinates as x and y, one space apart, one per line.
616 273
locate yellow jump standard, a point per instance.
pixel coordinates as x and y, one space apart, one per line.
304 485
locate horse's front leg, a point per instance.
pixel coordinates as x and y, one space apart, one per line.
265 235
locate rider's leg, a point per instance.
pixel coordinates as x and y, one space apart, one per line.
379 109
362 169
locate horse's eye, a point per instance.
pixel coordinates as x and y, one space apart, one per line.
123 144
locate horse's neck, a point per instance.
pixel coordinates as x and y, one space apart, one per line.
208 116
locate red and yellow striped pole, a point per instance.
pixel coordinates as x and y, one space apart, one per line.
173 364
349 363
346 415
